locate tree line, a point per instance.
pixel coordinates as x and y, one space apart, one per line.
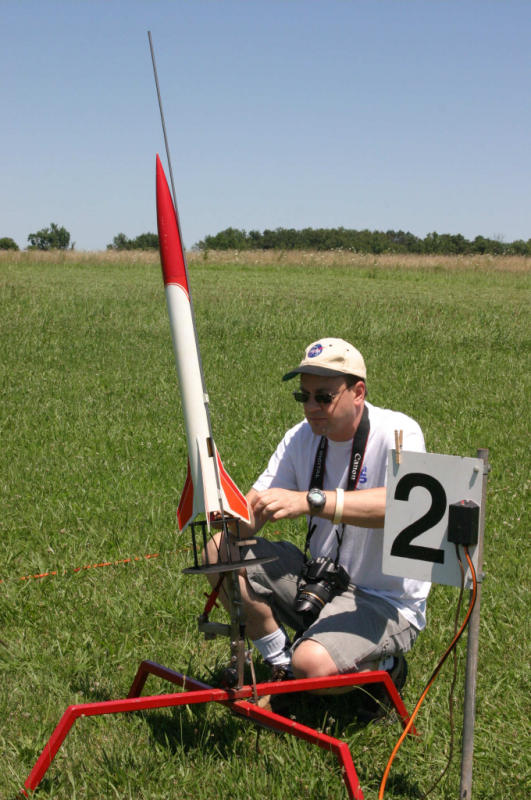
363 241
56 237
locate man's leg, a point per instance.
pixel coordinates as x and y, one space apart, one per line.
358 630
261 625
312 660
355 632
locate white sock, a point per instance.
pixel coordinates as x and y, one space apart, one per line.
386 663
274 647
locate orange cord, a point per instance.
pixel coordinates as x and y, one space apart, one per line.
432 679
95 566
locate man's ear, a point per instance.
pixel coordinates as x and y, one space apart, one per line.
360 390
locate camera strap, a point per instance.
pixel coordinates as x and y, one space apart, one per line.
359 445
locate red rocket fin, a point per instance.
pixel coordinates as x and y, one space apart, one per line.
234 501
185 511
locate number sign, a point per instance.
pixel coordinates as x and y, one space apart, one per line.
419 490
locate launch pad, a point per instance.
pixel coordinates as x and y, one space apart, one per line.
241 702
239 698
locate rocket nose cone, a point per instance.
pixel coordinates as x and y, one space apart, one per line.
159 169
170 245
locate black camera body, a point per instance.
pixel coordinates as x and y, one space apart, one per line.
323 579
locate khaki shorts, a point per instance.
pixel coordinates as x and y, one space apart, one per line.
356 628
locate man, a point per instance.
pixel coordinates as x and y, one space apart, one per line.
331 469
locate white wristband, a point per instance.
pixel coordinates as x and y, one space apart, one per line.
338 513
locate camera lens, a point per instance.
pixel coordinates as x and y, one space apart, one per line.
311 599
324 579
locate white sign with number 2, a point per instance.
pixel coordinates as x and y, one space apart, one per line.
419 490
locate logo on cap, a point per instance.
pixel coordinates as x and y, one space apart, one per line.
316 350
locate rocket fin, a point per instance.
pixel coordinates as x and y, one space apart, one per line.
233 500
185 511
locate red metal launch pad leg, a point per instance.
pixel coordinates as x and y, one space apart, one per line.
194 691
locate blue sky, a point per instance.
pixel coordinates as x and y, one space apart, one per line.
379 114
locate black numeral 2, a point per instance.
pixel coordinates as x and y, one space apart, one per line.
402 544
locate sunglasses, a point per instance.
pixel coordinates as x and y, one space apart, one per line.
323 398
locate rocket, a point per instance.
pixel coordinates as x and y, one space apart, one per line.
208 487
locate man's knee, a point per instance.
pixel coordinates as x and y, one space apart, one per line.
311 660
214 552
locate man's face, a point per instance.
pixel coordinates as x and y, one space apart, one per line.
339 419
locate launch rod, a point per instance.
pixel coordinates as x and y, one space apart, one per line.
165 135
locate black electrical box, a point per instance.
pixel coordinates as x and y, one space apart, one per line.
463 522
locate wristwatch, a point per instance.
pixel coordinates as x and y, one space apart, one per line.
316 499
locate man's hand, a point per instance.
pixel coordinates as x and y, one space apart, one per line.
278 504
366 508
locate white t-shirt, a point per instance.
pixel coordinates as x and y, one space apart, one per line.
291 467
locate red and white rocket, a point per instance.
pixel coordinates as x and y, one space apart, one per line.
208 487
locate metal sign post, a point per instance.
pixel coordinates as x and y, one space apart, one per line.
420 489
469 710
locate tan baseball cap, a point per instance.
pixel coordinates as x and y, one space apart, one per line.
330 357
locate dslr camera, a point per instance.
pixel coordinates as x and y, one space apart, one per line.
322 580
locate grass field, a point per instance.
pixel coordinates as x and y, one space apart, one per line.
93 458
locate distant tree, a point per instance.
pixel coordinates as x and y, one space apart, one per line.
458 244
403 242
496 247
120 242
52 238
255 240
269 240
7 243
146 241
520 248
229 239
433 243
480 245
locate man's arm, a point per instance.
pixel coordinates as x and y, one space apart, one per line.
365 508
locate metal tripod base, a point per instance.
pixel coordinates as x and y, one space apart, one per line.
239 701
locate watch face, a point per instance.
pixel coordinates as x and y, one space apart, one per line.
316 498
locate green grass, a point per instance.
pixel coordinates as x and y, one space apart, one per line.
93 457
